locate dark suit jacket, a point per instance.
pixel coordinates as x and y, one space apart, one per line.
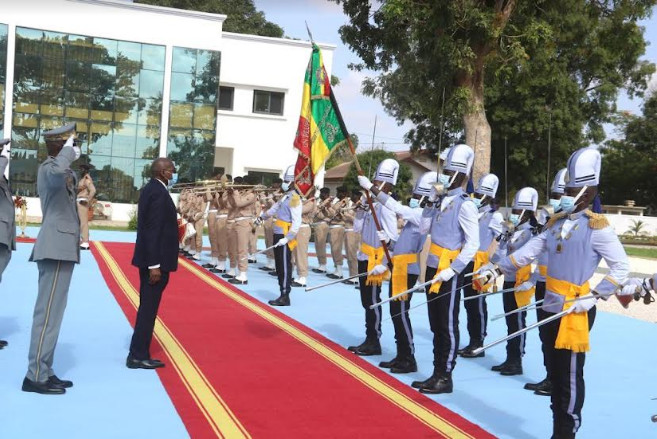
157 229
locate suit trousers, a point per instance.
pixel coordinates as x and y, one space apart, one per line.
268 227
370 294
444 321
402 322
352 241
542 330
301 251
321 233
5 257
149 302
212 234
337 243
54 281
283 258
568 389
253 240
232 243
476 311
243 233
222 238
515 348
198 243
83 213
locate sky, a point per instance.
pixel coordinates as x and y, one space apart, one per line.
325 18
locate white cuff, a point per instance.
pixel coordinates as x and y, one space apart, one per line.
151 267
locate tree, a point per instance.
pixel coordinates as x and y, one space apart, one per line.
242 15
370 160
423 49
636 229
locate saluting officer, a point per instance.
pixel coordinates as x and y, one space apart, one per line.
56 251
7 212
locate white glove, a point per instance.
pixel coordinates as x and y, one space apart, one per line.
585 303
433 196
282 242
6 151
525 286
379 269
444 275
365 182
487 271
382 235
71 142
633 285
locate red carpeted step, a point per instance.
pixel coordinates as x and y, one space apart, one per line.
236 367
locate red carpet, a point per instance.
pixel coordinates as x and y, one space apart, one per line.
237 368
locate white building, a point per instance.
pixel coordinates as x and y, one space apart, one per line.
141 82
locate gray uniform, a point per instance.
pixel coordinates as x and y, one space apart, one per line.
7 219
56 251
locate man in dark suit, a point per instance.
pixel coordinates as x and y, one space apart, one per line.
156 255
7 214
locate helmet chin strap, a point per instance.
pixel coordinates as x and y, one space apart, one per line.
579 195
451 180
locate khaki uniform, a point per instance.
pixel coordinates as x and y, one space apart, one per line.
322 230
268 224
86 192
221 227
352 240
232 237
337 232
303 237
211 197
243 204
253 239
199 222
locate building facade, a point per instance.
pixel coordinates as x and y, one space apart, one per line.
143 82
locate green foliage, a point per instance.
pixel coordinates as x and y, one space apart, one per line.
132 223
343 154
636 228
243 17
369 160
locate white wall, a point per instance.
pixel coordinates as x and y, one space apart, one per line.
622 223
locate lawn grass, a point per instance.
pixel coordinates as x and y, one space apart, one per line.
648 252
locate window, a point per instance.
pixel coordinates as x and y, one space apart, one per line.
268 102
266 178
3 62
113 91
226 97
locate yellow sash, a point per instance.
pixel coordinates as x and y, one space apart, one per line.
286 228
480 259
445 258
374 258
399 280
542 269
522 275
574 327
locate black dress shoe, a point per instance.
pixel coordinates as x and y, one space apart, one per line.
472 345
297 284
386 364
355 348
273 273
267 269
252 261
207 266
42 388
544 388
371 348
56 382
468 352
405 365
236 281
333 276
133 363
499 367
429 382
317 270
442 385
283 300
217 270
3 344
512 368
227 276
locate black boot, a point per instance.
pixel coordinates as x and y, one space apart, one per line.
373 347
499 367
406 364
467 352
386 364
545 388
534 386
442 385
513 367
360 346
283 300
429 382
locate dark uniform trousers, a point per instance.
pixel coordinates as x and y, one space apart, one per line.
402 322
476 311
370 294
567 376
515 348
283 259
444 321
149 302
540 315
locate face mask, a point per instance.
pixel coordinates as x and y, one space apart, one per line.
556 204
477 202
514 219
414 203
285 186
568 203
173 180
443 179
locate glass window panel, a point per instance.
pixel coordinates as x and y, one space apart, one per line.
23 170
152 57
142 172
226 96
77 75
77 105
27 72
182 87
148 142
50 123
127 79
54 45
125 137
205 116
203 59
127 52
276 103
103 79
151 84
101 138
177 138
122 178
105 51
184 60
260 102
150 111
53 73
181 115
80 48
125 110
27 107
25 136
28 41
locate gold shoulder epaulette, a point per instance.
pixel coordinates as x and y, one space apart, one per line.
554 219
596 220
295 200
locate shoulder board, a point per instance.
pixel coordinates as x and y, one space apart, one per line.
554 219
596 220
295 200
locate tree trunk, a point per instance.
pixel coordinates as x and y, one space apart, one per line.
477 128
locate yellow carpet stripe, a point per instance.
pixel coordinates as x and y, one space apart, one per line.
216 411
415 409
